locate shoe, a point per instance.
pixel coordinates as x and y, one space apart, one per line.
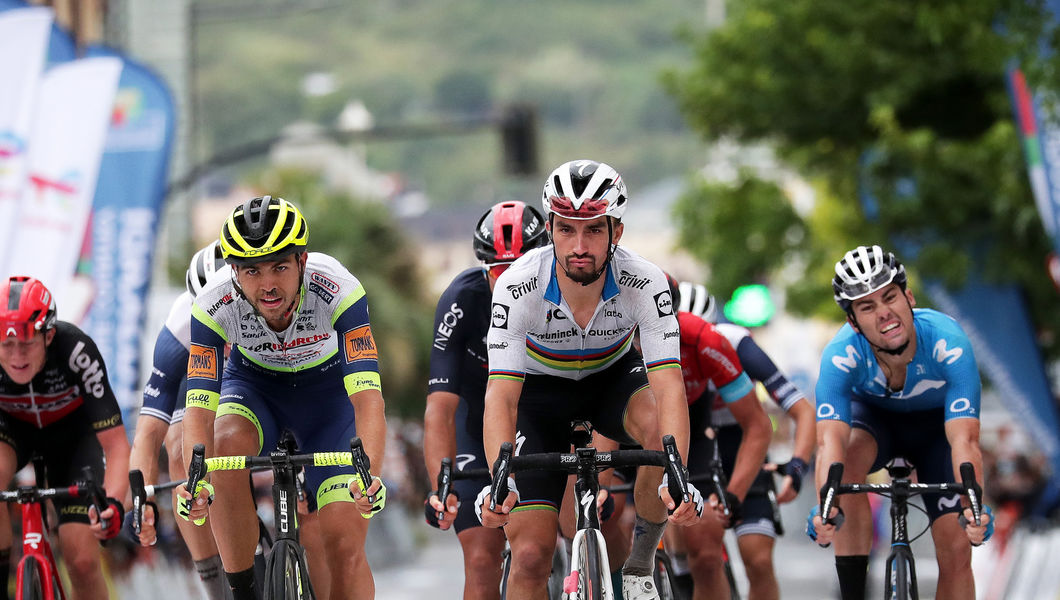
639 587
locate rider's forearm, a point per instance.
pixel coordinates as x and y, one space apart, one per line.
115 446
198 429
150 434
964 447
439 430
751 454
805 429
832 437
499 418
371 425
668 388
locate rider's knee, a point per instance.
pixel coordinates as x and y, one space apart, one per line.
83 564
759 565
533 558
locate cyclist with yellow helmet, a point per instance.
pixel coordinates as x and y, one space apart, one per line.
303 358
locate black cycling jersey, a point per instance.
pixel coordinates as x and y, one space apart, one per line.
459 362
73 376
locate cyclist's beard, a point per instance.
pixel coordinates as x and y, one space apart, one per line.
581 275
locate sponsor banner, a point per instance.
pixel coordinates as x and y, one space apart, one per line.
23 41
65 146
1040 132
126 210
60 44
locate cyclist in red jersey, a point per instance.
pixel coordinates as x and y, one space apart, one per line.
708 357
56 401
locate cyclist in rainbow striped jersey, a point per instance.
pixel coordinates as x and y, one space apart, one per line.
896 382
560 349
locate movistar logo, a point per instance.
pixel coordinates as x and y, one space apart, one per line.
944 355
848 362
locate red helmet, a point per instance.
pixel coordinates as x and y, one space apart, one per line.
26 307
507 231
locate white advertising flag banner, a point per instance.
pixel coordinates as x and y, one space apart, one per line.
24 36
74 106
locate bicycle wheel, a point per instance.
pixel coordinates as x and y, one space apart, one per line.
734 592
30 585
506 568
590 577
901 583
286 574
664 577
560 568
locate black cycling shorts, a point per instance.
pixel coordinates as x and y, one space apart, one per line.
920 438
66 446
549 404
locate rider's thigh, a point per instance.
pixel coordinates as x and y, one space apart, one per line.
235 435
343 530
532 536
8 464
861 453
81 551
642 419
756 552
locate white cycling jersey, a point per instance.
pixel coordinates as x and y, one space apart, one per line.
532 330
178 322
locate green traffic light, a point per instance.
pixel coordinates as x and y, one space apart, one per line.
750 306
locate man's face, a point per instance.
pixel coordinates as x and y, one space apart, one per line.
581 246
885 317
22 360
272 287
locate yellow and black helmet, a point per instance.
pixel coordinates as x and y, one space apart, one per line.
264 228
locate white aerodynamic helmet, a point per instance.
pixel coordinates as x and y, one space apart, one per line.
864 270
204 263
697 300
583 190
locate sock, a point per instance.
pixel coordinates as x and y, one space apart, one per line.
679 564
209 570
242 584
646 536
853 572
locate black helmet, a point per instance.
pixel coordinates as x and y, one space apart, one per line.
507 231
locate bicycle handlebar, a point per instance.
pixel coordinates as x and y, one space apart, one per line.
139 497
445 483
832 487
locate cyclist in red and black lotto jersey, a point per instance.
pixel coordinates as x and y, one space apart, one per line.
457 386
162 415
56 401
561 349
759 524
303 358
708 358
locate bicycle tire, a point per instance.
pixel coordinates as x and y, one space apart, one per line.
560 568
590 578
286 574
32 587
734 592
900 580
506 568
664 577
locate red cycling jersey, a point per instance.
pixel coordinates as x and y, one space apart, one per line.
707 356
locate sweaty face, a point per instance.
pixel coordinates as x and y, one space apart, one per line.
581 246
885 316
273 287
22 360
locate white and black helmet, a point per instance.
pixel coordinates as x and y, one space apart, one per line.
697 300
205 263
864 270
583 190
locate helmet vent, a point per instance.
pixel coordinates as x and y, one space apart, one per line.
14 294
506 233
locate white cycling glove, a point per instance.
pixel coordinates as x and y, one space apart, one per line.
485 494
697 498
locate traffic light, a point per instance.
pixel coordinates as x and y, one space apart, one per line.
750 306
519 139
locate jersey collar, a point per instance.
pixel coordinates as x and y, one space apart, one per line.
553 295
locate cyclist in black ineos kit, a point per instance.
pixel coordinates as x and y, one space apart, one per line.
457 387
56 401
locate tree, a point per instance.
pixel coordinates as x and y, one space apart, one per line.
366 239
903 101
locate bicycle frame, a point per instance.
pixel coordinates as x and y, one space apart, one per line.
586 488
35 545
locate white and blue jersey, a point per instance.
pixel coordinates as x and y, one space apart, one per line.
943 373
162 397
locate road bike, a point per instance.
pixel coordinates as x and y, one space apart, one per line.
590 574
37 574
286 571
900 576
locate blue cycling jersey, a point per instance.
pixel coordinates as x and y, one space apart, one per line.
942 374
170 362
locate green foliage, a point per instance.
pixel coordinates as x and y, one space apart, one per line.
365 238
905 102
757 209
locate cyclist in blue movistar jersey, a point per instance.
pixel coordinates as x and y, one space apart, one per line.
303 358
896 382
560 349
452 422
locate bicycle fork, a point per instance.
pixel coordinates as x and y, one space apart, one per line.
586 487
